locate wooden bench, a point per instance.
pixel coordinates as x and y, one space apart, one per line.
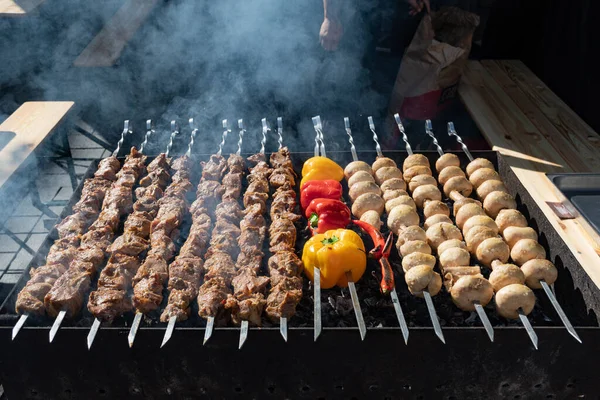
25 130
523 119
18 8
106 48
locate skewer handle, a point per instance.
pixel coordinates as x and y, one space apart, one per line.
403 132
319 143
174 133
194 128
149 131
265 130
226 130
280 132
452 132
126 130
429 131
375 138
241 136
350 139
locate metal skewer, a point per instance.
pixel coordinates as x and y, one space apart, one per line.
528 328
174 133
428 300
478 307
318 327
283 326
226 130
280 132
244 325
375 138
356 304
149 132
61 315
137 319
210 321
561 314
194 128
241 136
403 132
393 293
173 319
319 143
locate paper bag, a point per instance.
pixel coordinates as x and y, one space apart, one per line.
433 63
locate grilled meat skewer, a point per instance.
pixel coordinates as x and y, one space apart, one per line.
68 292
112 296
63 251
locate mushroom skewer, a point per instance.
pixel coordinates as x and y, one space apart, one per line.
30 299
513 225
317 281
403 219
470 291
476 228
373 219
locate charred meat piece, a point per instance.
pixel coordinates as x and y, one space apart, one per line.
31 298
109 303
108 168
224 226
282 176
138 223
75 224
250 261
119 272
101 238
284 298
229 211
258 186
284 203
129 244
255 159
282 159
251 240
232 182
284 264
256 198
249 308
67 293
236 164
282 235
215 168
260 171
220 265
247 282
170 215
212 296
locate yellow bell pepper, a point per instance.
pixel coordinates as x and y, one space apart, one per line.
320 169
335 252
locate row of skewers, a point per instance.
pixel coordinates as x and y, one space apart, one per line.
139 261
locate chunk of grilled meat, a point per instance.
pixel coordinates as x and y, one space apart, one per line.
284 298
232 182
282 176
281 159
284 204
212 296
184 280
215 168
284 264
282 235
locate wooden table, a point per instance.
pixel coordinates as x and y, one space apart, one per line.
524 120
31 123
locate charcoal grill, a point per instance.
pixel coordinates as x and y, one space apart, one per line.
339 364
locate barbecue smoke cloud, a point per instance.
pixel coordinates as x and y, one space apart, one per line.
210 60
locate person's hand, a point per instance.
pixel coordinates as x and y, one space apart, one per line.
416 6
330 35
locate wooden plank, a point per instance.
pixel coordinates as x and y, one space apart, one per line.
490 109
571 127
18 8
503 123
106 48
579 157
557 111
31 124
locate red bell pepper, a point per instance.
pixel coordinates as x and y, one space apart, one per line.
327 214
327 189
381 251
